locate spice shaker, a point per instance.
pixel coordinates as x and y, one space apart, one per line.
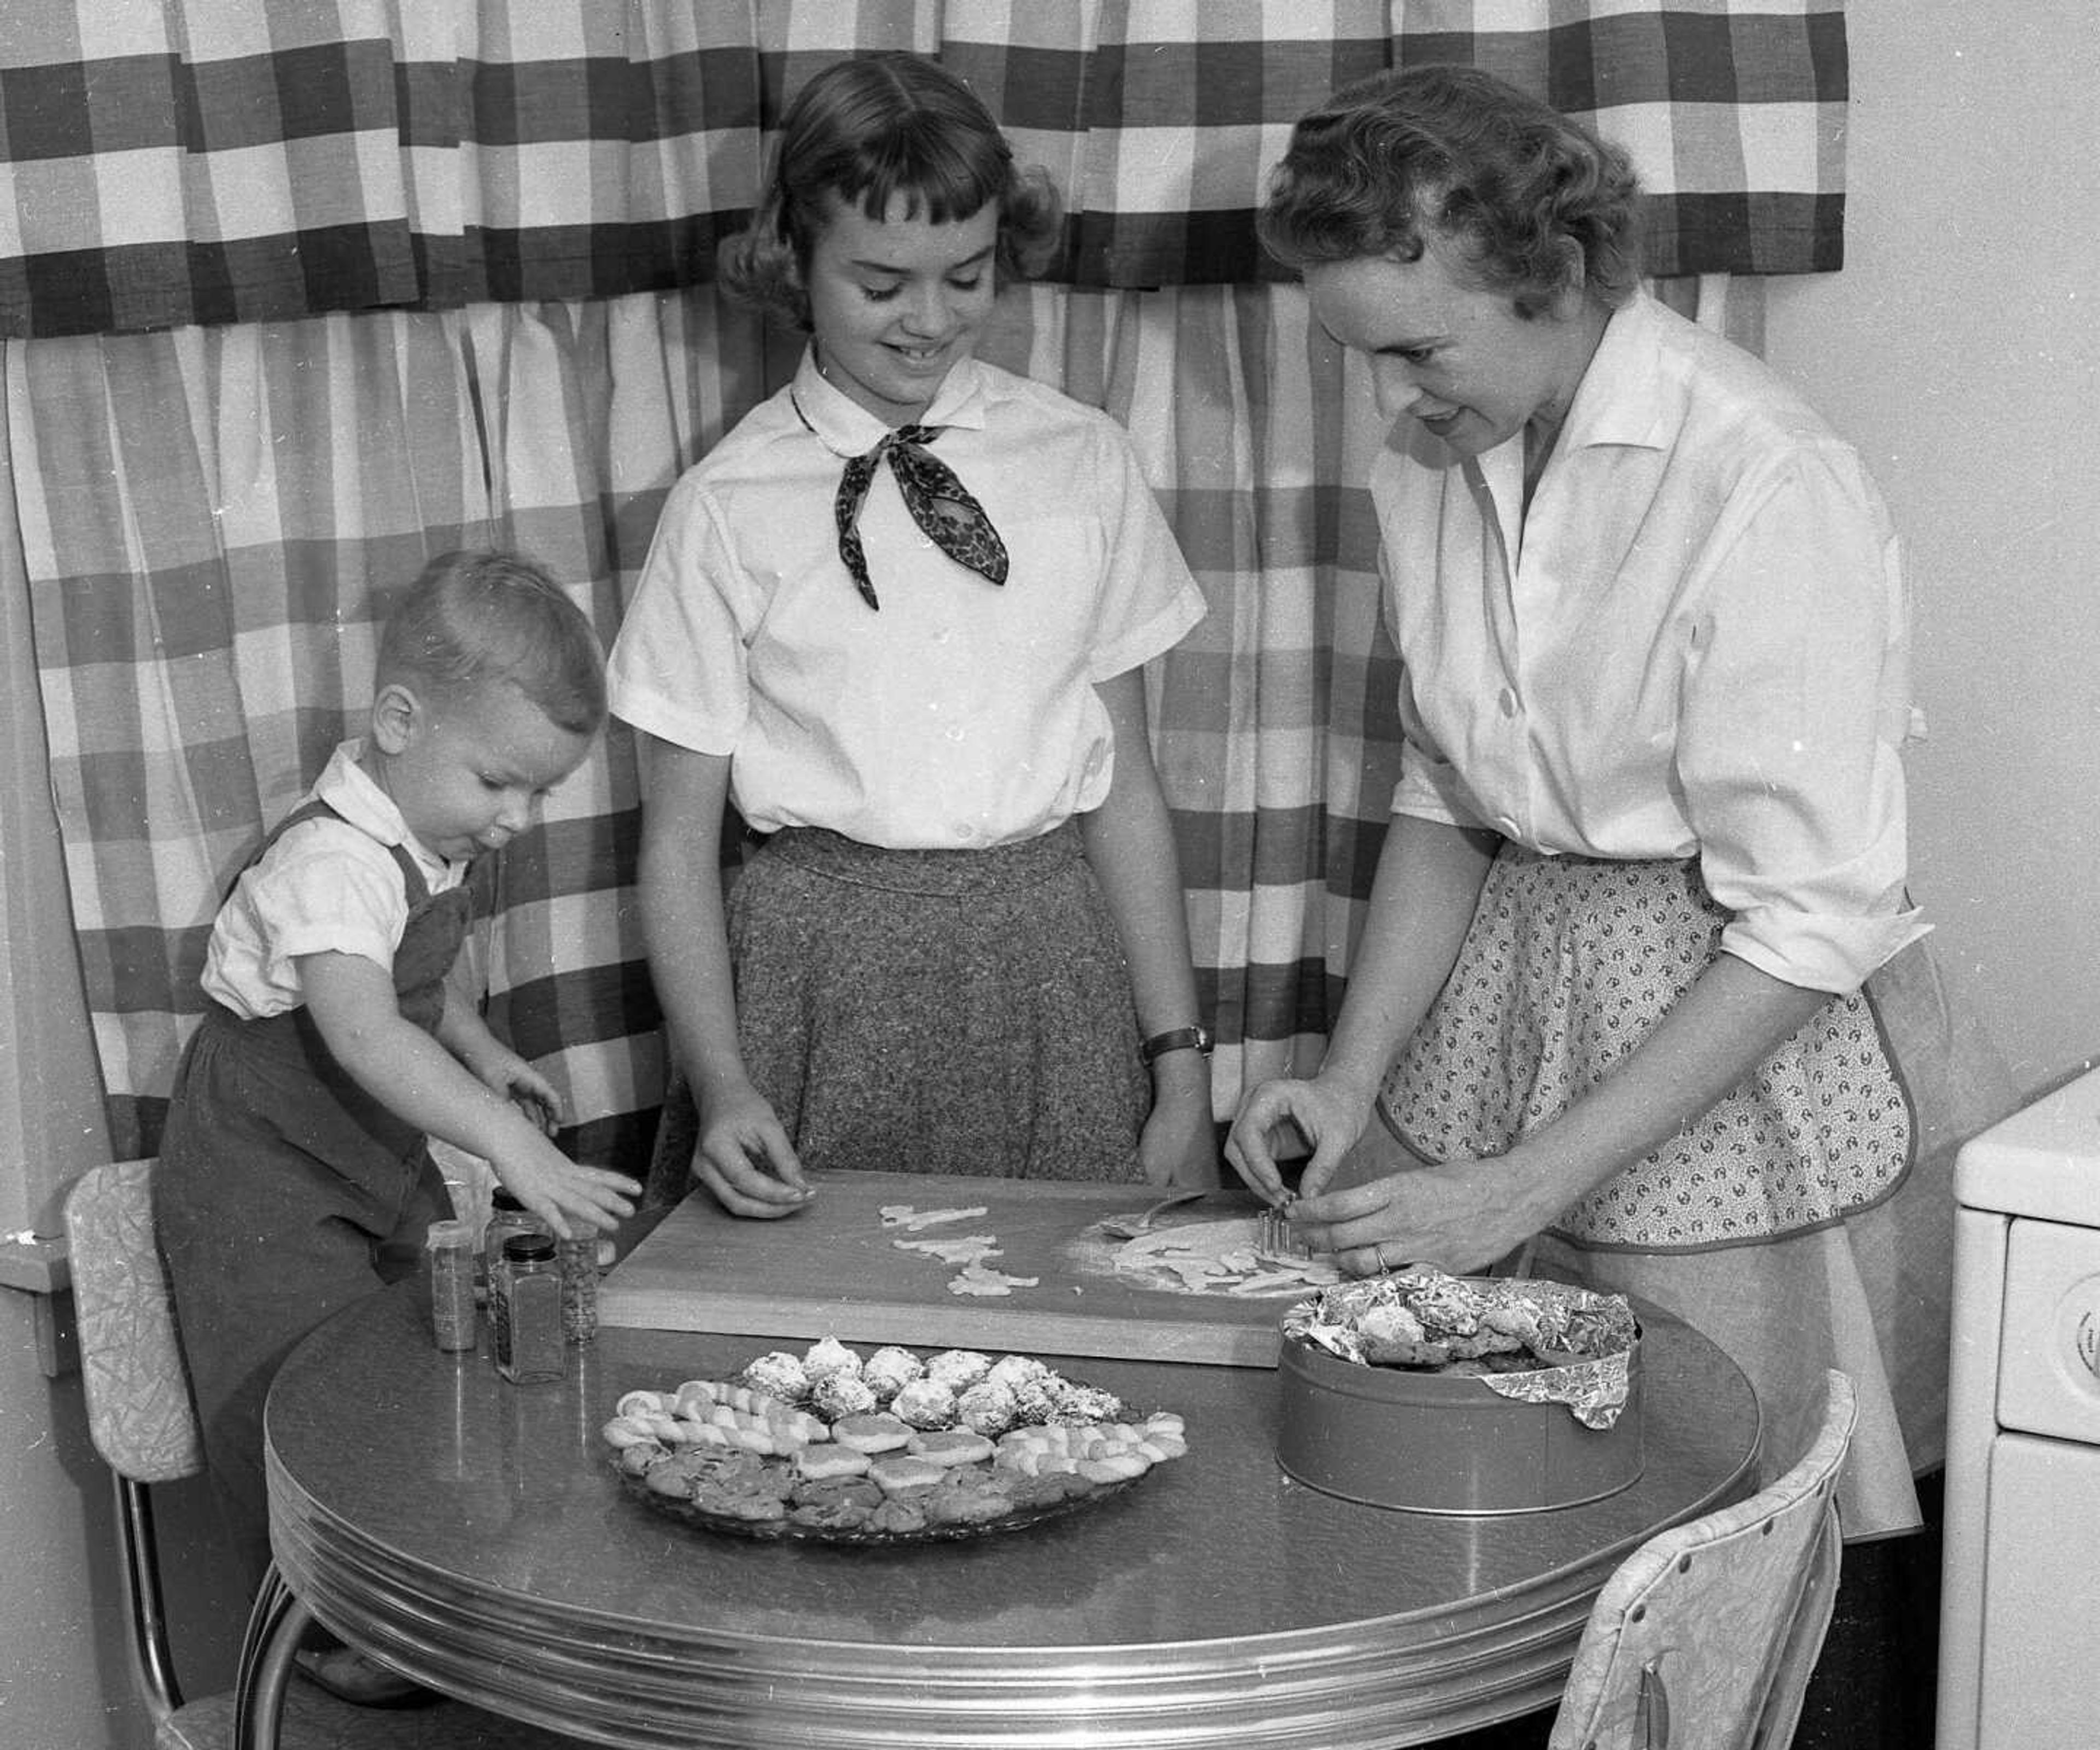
506 1217
449 1255
526 1297
577 1259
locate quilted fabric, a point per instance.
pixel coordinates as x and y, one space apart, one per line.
138 1411
1717 1610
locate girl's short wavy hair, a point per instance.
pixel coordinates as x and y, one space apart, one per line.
1460 154
864 131
477 617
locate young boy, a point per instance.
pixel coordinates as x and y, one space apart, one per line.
293 1175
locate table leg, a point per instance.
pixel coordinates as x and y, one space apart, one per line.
275 1625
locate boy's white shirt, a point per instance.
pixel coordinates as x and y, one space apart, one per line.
325 886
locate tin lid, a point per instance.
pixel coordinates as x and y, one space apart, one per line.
529 1248
444 1235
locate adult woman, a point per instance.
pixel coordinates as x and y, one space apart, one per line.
1639 979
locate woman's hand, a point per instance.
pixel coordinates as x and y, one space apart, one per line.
744 1158
1461 1216
1328 1112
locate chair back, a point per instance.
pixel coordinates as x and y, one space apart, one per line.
1703 1639
138 1411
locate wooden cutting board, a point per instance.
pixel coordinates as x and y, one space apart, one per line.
834 1269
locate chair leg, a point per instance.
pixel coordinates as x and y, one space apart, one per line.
275 1626
152 1657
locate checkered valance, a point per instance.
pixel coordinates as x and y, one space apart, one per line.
204 161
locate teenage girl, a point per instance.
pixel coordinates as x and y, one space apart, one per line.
898 617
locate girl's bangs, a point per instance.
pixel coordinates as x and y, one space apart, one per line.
937 176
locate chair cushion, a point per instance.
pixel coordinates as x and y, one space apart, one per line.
1726 1611
138 1410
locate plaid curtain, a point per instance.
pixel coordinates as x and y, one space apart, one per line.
212 522
206 161
213 513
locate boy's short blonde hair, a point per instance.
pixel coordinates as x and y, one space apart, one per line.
474 617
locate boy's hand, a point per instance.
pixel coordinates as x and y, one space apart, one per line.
503 1071
572 1199
444 1087
533 1095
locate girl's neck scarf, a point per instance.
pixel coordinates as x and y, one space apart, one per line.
939 503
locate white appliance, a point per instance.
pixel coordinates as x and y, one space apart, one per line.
2020 1657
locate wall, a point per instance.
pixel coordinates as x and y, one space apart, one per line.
63 1684
64 1681
1961 349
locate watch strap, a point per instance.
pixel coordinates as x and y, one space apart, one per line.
1175 1039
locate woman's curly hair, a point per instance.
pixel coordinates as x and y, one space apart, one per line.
864 131
1454 152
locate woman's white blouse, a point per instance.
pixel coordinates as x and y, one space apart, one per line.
1694 645
963 714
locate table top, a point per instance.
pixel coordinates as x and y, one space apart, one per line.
475 1533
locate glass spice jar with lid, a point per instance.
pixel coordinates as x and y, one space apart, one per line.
450 1258
526 1297
506 1217
577 1260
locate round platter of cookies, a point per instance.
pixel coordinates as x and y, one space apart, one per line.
830 1446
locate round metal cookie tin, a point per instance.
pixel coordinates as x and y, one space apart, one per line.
1444 1442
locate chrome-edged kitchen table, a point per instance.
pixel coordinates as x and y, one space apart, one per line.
474 1536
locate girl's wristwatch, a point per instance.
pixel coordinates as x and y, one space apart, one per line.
1197 1038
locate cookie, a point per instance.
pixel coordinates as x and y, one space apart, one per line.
871 1431
1047 1489
831 1460
925 1404
668 1479
833 1515
900 1472
739 1504
952 1446
827 1490
898 1518
958 1369
958 1502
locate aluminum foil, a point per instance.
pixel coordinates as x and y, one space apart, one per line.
1524 1337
